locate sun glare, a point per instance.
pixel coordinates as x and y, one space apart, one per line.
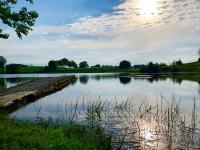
147 8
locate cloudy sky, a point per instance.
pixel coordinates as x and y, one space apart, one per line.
107 31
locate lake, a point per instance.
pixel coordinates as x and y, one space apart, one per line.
111 89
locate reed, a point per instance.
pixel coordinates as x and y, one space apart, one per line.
148 126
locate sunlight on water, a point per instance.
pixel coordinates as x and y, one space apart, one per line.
147 134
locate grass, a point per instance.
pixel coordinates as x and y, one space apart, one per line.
94 70
161 125
19 135
184 68
2 70
188 67
31 69
41 69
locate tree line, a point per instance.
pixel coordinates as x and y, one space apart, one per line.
64 64
54 64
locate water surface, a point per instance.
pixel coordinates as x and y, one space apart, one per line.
106 87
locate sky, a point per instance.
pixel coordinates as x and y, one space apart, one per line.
107 31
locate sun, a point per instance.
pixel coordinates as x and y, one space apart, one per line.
147 8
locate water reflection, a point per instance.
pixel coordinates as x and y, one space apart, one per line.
159 78
110 88
125 80
74 81
84 79
2 83
9 82
199 89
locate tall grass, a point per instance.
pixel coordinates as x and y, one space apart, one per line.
162 125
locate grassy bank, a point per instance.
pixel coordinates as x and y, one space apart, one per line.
41 69
2 71
188 67
18 135
193 67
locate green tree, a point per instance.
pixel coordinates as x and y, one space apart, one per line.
83 64
2 62
178 62
21 21
124 64
151 68
63 62
73 64
13 68
199 55
97 66
52 65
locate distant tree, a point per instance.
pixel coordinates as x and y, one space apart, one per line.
178 62
2 62
139 66
151 68
199 55
124 64
52 65
13 68
97 65
46 68
20 21
83 64
63 62
73 64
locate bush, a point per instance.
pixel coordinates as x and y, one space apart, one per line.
13 68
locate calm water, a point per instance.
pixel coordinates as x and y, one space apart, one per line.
118 88
109 87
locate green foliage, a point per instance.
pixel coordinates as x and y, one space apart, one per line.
26 135
2 84
13 68
20 21
188 67
155 68
199 55
178 62
2 70
88 70
52 65
83 64
31 69
97 66
175 67
124 64
2 62
73 64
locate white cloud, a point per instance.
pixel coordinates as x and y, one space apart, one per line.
122 34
